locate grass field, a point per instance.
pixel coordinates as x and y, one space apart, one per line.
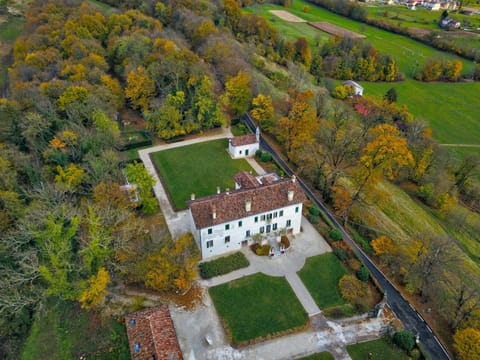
63 331
321 275
256 306
319 356
9 31
451 109
400 47
380 349
198 169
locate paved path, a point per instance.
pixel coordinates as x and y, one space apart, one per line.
302 294
177 222
461 145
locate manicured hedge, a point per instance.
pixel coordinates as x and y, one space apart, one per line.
223 265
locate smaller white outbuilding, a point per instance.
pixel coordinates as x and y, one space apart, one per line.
245 145
357 88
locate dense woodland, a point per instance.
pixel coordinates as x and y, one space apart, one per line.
68 231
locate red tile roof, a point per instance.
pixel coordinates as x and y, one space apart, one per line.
231 206
246 180
244 140
152 329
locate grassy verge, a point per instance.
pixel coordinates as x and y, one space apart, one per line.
258 307
325 355
321 275
63 331
198 169
380 349
223 265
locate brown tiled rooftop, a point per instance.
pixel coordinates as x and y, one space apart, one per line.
246 180
231 206
244 140
151 333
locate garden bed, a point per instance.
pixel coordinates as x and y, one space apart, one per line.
223 265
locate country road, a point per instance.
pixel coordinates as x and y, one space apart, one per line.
405 311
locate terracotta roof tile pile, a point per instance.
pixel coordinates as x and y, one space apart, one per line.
151 333
244 140
232 206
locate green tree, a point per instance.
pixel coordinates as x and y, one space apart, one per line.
238 94
137 174
391 95
404 339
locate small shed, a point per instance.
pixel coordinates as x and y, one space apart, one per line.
244 146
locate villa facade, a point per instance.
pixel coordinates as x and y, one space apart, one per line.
264 205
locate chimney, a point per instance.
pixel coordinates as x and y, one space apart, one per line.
218 189
192 196
294 178
290 195
214 212
227 191
248 205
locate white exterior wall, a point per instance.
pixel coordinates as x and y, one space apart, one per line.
240 151
238 233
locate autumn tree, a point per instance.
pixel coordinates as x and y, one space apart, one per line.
140 88
96 291
300 125
467 343
238 94
173 267
352 289
263 111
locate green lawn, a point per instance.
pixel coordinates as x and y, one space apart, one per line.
321 275
198 169
12 28
107 9
381 349
319 356
63 331
451 109
256 306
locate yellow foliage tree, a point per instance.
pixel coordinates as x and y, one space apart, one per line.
69 178
140 88
467 343
94 295
263 111
383 246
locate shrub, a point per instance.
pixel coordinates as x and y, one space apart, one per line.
263 250
363 274
223 265
415 354
314 210
265 157
285 242
354 264
341 254
313 219
352 290
336 235
404 340
364 244
258 153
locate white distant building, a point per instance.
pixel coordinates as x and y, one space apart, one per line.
357 88
245 145
263 205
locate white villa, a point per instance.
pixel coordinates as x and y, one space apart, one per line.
265 205
244 146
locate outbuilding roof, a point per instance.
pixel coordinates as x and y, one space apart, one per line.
151 335
244 140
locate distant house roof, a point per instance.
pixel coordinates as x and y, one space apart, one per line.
353 83
151 334
231 205
244 140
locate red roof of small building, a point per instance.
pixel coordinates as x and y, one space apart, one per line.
244 140
232 205
151 333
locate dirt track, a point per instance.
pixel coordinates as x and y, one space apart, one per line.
336 30
285 15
